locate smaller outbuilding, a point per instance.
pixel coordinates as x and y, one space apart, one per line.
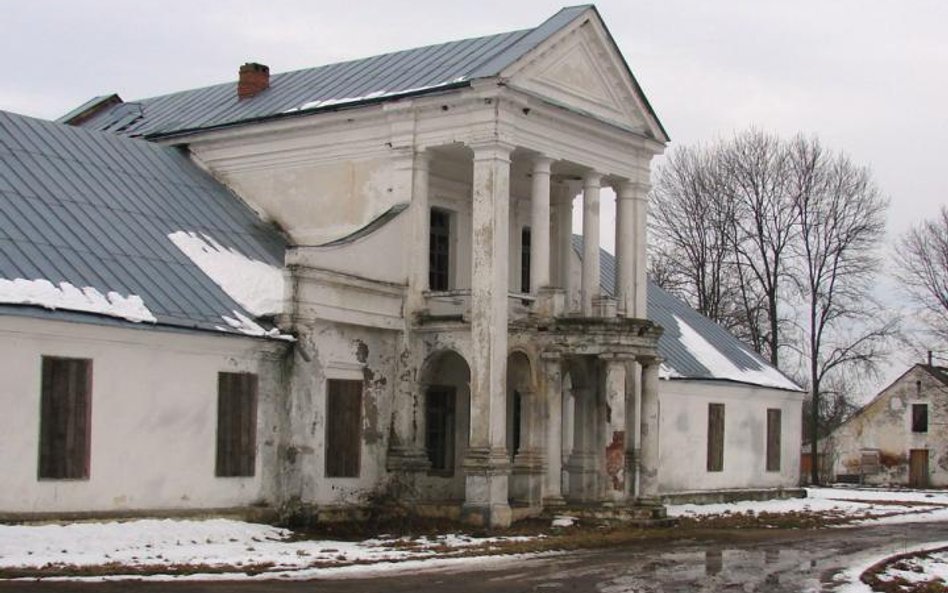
898 437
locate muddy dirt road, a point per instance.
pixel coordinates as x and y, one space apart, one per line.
732 560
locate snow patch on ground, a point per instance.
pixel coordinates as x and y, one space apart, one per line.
214 543
256 285
65 296
721 366
563 521
850 579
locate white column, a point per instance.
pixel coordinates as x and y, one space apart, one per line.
540 225
626 244
615 441
487 465
563 199
553 398
590 281
641 250
649 418
420 221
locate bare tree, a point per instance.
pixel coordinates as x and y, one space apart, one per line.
691 222
759 183
922 257
840 222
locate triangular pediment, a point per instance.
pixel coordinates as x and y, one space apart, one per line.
581 69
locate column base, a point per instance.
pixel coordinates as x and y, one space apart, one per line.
550 302
604 306
526 478
486 487
584 477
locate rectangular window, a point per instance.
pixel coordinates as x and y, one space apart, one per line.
525 260
773 439
439 429
65 418
715 437
236 425
343 428
439 250
919 417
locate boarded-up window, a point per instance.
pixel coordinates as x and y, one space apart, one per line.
65 418
439 429
236 424
715 437
773 440
439 250
343 428
919 417
525 259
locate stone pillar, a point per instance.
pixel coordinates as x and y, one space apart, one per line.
648 454
406 446
528 466
583 465
626 242
487 465
418 241
590 281
615 437
641 249
633 402
540 225
553 427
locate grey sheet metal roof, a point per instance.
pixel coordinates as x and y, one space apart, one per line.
94 209
410 72
664 309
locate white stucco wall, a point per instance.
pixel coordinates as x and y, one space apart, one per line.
154 418
683 436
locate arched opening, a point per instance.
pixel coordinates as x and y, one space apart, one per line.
525 438
446 394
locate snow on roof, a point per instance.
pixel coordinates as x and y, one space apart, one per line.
85 223
45 294
256 285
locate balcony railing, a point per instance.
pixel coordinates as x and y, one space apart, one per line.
457 304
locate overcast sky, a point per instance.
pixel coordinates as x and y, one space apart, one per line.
869 77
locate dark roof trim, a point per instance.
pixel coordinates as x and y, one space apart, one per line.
373 225
732 382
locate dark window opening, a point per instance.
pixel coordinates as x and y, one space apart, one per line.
919 417
715 437
65 418
525 260
343 428
773 440
236 424
517 418
439 429
439 250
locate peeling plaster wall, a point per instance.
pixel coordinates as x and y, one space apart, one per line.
154 418
683 436
317 203
336 351
885 425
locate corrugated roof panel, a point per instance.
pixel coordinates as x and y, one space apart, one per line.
92 209
429 68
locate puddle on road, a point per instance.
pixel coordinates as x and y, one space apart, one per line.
719 569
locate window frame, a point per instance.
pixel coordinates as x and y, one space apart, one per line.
920 419
715 446
774 439
236 436
65 404
440 249
337 464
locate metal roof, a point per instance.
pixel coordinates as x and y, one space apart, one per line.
383 77
665 309
94 209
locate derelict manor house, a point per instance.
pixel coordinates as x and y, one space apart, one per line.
301 288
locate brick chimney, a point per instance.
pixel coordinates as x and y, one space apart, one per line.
254 78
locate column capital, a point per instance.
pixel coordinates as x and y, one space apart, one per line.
592 179
620 357
491 149
629 190
647 360
541 164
